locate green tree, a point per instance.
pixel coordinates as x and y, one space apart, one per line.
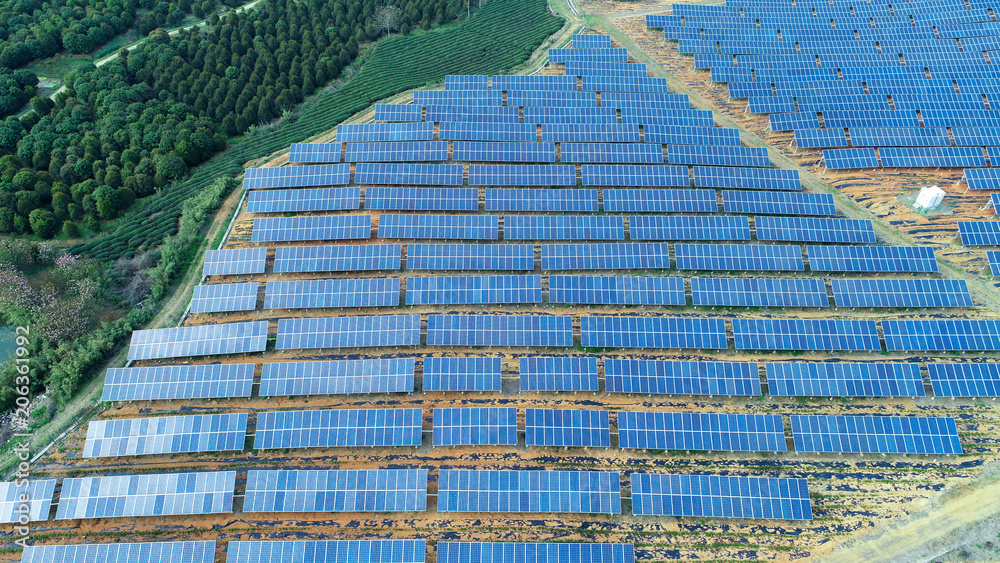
70 230
43 223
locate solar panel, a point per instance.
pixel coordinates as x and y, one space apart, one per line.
558 373
777 203
746 178
472 151
979 233
640 99
405 151
821 138
682 378
206 340
690 135
901 293
145 552
696 227
312 294
178 382
313 199
293 229
993 257
475 427
442 227
166 435
647 115
938 335
805 334
965 380
465 82
461 374
522 175
603 54
615 153
234 261
338 428
720 496
297 176
701 431
590 133
486 131
408 174
532 82
470 257
567 428
467 552
875 434
164 494
478 97
423 199
635 175
871 259
563 227
376 132
634 256
337 377
577 492
983 179
759 292
842 379
815 229
589 41
850 159
932 157
352 258
26 501
224 297
473 289
373 490
713 155
454 118
652 332
499 330
738 257
552 99
348 332
617 290
569 114
540 200
398 112
363 551
661 201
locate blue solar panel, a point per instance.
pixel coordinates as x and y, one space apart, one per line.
26 501
871 259
522 175
376 132
579 492
220 297
477 290
634 256
842 379
465 552
145 552
717 496
875 434
613 153
661 201
617 290
337 377
642 99
939 335
701 431
581 41
502 199
983 179
932 157
475 427
558 373
803 334
602 54
348 332
546 83
759 292
979 233
205 340
315 199
635 175
569 114
586 133
363 551
849 159
166 435
666 117
234 261
746 178
375 490
563 227
778 203
499 330
297 176
478 97
898 136
178 382
820 138
712 155
461 374
965 380
485 131
697 227
359 257
338 428
738 257
315 294
164 494
503 152
442 227
408 174
993 257
422 199
569 428
476 122
406 151
466 82
319 227
901 293
691 135
470 257
814 229
652 332
682 378
398 113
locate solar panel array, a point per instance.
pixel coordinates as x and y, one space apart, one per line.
701 431
327 227
224 338
211 381
315 294
568 428
558 373
660 201
499 330
682 377
338 428
145 552
965 380
360 257
337 377
475 427
875 434
777 203
901 293
166 435
235 261
805 334
374 490
163 494
563 227
617 290
462 374
634 256
468 552
35 493
843 379
653 332
313 199
223 297
759 292
348 332
720 496
582 492
311 551
738 257
541 200
470 257
929 335
473 289
297 176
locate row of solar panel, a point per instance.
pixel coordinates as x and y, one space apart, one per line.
898 137
914 157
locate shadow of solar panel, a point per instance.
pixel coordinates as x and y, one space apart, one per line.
363 551
778 203
373 490
983 179
637 153
320 153
405 151
234 261
698 227
569 428
759 292
206 340
479 117
690 135
473 290
712 155
178 382
145 552
221 297
558 373
337 377
901 293
634 256
841 379
398 112
423 199
577 492
461 374
617 290
26 501
746 178
164 494
661 201
937 335
871 259
474 151
338 428
466 82
652 332
738 257
585 133
408 174
682 378
297 176
470 257
522 175
353 258
487 131
376 132
314 294
458 97
965 380
499 330
544 83
348 332
475 427
875 434
314 199
718 496
500 199
850 159
814 229
166 435
467 552
443 227
563 114
805 334
563 227
293 229
701 431
979 233
635 175
600 54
